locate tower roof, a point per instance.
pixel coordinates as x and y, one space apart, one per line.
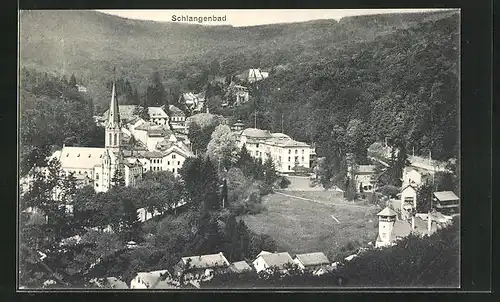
387 212
114 113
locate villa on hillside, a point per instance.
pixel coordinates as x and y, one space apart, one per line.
286 153
364 177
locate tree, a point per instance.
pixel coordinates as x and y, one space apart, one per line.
72 81
222 146
270 174
118 180
424 197
210 186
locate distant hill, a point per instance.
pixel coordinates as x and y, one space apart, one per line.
89 43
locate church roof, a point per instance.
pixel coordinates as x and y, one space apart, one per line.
81 157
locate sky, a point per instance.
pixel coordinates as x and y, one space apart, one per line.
253 16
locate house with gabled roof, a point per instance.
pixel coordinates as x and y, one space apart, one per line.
160 279
201 267
240 267
267 261
311 261
446 202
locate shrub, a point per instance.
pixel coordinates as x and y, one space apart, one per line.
388 190
284 182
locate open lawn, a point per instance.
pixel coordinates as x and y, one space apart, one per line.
301 226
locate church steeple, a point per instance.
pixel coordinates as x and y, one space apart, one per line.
114 112
113 124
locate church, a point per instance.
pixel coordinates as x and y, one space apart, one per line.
98 166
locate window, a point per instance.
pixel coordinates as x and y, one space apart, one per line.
302 158
289 159
115 141
178 163
168 163
302 151
96 184
289 151
257 145
173 170
296 151
296 158
279 158
288 167
173 156
109 141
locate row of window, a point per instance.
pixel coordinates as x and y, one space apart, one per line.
158 160
174 170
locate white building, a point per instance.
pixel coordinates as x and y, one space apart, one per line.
414 176
97 166
311 261
267 260
202 266
158 116
408 201
152 280
193 102
253 75
285 152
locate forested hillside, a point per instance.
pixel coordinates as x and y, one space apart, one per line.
342 85
89 44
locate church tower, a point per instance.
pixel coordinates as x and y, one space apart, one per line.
113 125
386 220
114 158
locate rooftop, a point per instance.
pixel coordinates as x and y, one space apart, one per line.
277 259
153 278
312 259
445 196
81 157
256 133
240 266
366 169
157 112
206 261
387 212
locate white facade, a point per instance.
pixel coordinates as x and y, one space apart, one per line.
285 152
408 201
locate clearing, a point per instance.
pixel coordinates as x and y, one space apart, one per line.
326 224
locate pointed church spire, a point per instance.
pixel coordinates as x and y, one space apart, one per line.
114 113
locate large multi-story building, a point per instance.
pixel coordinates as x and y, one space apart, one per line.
98 166
286 153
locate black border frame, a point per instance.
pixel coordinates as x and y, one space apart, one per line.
476 136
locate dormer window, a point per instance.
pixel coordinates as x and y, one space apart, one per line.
78 155
89 155
67 154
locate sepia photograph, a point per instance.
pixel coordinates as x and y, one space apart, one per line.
178 150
